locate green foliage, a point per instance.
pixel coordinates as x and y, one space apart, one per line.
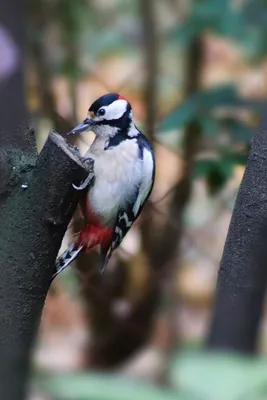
218 171
79 33
87 386
220 376
238 130
201 107
218 16
245 24
194 375
202 103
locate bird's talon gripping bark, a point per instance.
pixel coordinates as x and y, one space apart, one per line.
88 162
84 185
84 159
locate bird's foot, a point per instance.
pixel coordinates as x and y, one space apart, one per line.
85 183
89 164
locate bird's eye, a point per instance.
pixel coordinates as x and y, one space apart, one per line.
102 111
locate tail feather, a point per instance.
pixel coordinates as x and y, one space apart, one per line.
105 255
66 258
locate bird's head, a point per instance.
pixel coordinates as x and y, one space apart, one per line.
107 116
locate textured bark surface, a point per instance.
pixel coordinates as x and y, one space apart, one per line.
33 221
243 271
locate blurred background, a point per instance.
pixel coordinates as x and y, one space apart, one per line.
195 73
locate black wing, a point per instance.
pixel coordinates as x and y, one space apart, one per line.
124 221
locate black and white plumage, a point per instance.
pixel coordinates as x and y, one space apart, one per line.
124 168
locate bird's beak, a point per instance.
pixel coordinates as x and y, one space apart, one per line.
84 126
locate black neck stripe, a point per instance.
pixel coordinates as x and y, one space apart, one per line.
117 139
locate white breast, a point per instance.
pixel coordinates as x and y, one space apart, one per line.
117 176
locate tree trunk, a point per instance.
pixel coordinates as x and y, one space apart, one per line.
33 221
243 274
37 201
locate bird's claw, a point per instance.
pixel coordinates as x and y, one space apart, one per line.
89 164
87 161
86 182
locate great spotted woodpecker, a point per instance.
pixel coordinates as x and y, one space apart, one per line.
124 168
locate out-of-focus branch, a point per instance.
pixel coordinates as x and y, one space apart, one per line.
164 248
167 244
242 279
39 14
150 48
45 92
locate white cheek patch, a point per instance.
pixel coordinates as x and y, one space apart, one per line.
115 110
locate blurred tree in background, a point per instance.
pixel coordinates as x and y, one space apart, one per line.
195 73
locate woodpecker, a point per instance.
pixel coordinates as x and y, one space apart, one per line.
124 169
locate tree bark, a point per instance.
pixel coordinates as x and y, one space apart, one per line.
243 274
33 221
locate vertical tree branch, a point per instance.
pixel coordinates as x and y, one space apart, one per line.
242 278
150 48
165 249
38 19
150 51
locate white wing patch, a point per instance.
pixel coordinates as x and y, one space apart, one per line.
145 186
119 231
128 222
